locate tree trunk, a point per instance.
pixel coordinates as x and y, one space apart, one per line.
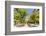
35 22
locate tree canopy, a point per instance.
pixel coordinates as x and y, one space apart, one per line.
34 17
21 13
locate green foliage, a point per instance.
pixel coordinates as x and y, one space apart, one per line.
34 17
19 15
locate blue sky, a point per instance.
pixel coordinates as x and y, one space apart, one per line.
29 10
